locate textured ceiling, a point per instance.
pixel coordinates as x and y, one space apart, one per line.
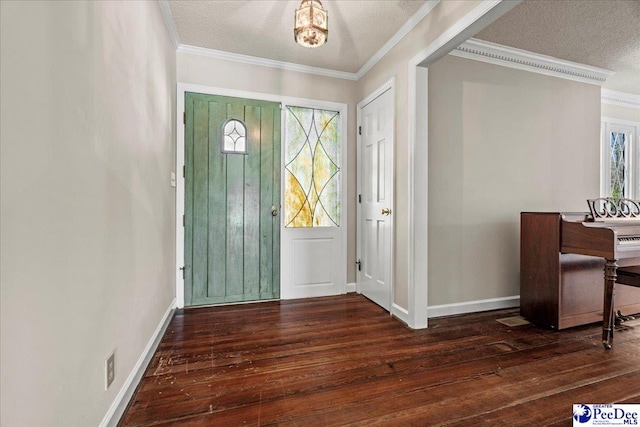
602 33
260 28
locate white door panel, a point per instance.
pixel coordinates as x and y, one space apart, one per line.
316 272
309 270
313 253
375 207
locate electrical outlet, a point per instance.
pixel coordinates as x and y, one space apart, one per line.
110 370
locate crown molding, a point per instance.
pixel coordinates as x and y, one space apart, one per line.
289 66
506 56
254 60
620 99
395 39
168 21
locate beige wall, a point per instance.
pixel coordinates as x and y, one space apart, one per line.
87 212
501 141
395 65
218 73
618 112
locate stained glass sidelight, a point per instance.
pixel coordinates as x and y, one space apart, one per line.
618 164
234 137
312 168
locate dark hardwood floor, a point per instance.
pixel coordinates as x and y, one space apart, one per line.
339 361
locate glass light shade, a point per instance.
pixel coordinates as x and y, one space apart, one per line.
311 24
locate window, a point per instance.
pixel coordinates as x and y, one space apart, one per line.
234 137
312 168
618 156
620 160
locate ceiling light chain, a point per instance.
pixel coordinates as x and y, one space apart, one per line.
311 24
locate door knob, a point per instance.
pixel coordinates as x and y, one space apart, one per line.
274 210
386 211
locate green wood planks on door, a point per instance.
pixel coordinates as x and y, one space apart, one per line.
270 162
235 218
252 205
217 273
232 241
200 219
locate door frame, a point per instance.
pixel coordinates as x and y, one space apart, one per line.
181 89
389 85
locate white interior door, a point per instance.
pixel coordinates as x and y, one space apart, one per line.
375 166
313 256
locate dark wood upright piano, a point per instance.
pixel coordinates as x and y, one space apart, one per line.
566 262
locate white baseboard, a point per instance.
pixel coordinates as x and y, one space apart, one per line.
351 287
400 313
129 387
473 306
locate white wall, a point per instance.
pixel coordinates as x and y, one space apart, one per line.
219 73
87 222
501 141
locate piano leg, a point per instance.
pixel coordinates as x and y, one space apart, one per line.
608 319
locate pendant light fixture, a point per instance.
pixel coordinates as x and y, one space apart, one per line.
311 26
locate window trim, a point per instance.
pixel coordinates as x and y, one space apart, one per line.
632 129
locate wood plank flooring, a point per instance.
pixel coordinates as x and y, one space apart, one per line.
340 361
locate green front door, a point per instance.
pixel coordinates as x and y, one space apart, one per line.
232 200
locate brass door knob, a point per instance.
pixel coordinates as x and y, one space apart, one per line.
274 210
386 211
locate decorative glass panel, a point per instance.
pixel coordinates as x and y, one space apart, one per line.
618 165
312 168
234 137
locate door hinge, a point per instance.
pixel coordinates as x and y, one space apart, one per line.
184 117
183 221
184 171
359 198
359 130
359 264
183 271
